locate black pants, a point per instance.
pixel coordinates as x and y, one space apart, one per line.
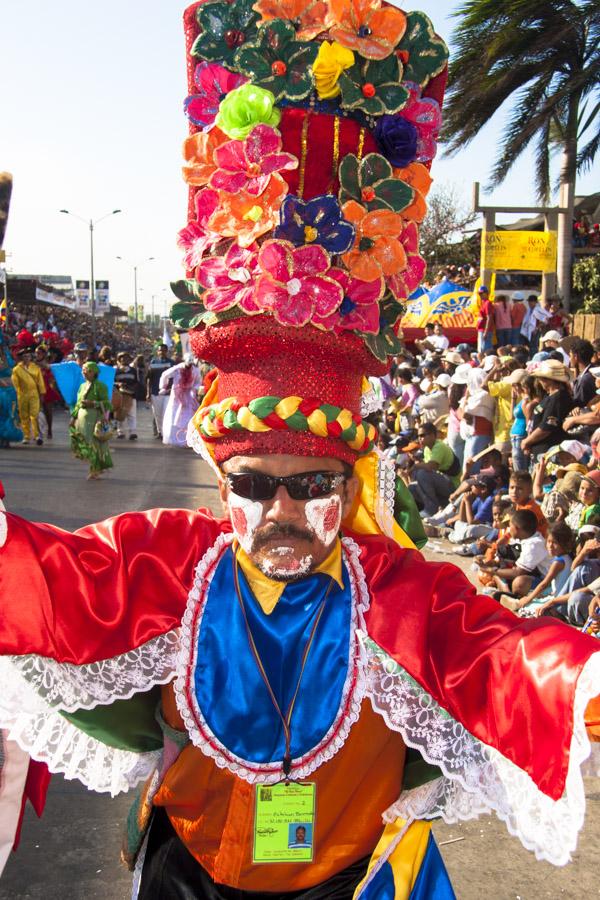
171 873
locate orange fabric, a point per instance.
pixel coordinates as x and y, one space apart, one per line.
536 509
592 719
212 811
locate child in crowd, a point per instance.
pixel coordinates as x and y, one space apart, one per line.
475 511
487 545
589 496
532 563
559 544
520 489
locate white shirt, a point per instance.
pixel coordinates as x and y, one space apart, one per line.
532 318
534 554
439 341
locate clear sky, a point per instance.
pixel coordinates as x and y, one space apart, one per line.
92 121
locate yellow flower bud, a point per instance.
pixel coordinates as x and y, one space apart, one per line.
331 61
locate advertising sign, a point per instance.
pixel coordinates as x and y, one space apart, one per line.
102 297
82 291
529 251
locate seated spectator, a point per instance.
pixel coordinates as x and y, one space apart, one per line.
559 544
434 478
487 543
589 496
433 403
520 488
532 563
475 511
558 501
573 605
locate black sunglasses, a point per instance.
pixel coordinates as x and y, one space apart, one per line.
305 486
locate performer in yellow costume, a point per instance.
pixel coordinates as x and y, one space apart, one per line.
28 382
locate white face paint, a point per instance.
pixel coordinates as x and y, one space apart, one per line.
295 568
324 516
245 516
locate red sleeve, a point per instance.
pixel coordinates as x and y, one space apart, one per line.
510 681
103 590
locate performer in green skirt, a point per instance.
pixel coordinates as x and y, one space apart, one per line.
87 418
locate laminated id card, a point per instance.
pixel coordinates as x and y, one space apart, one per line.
284 823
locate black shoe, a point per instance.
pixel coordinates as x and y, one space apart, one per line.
120 436
39 442
133 437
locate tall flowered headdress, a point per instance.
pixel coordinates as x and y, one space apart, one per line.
313 124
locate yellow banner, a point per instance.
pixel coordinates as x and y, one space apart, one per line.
531 251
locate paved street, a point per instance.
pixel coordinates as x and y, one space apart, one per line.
73 853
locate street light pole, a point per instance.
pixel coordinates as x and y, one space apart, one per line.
135 290
91 224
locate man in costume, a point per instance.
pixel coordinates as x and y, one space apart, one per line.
28 382
296 668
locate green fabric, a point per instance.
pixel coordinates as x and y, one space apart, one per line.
441 454
84 445
407 515
590 512
124 724
417 771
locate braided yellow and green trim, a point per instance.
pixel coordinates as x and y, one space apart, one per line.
285 414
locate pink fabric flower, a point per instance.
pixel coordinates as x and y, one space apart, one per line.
425 114
213 82
405 282
196 237
248 165
230 280
359 310
295 283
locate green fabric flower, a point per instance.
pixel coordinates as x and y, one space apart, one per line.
225 27
371 183
373 86
277 61
384 344
424 53
244 108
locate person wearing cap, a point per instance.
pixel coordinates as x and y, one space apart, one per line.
517 314
269 669
184 381
127 385
485 320
549 415
465 351
550 343
450 360
433 402
81 353
28 382
502 310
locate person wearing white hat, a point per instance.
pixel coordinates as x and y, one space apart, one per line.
450 360
433 403
551 343
550 414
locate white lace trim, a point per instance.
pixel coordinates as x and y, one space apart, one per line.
477 778
352 694
70 687
386 495
199 446
48 737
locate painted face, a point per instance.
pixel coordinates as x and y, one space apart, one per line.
285 538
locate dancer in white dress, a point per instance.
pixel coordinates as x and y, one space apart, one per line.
183 399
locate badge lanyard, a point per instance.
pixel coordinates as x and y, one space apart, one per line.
287 718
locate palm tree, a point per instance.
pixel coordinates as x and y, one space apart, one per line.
543 56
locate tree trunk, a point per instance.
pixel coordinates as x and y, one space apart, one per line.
568 175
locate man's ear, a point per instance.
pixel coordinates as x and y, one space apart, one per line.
223 492
350 491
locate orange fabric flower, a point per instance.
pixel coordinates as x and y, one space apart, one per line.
377 250
308 18
246 217
198 153
418 177
364 27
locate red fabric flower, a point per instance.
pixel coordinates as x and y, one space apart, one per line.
294 283
230 280
248 165
196 237
402 284
359 310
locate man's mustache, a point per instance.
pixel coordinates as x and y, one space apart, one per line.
269 532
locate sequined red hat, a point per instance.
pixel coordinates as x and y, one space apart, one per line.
312 130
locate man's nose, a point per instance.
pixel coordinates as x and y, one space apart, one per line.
283 508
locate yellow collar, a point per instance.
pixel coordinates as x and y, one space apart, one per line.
268 592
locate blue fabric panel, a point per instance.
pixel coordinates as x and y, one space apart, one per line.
433 882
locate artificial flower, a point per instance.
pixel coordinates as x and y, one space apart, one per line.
316 221
247 217
371 183
377 250
224 27
245 108
424 114
213 82
248 165
332 59
418 177
276 61
423 52
294 284
198 236
374 87
198 151
230 280
402 284
359 310
396 139
308 18
365 28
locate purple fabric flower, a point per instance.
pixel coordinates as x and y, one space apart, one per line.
319 221
397 140
213 82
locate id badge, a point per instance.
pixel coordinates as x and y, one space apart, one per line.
284 822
